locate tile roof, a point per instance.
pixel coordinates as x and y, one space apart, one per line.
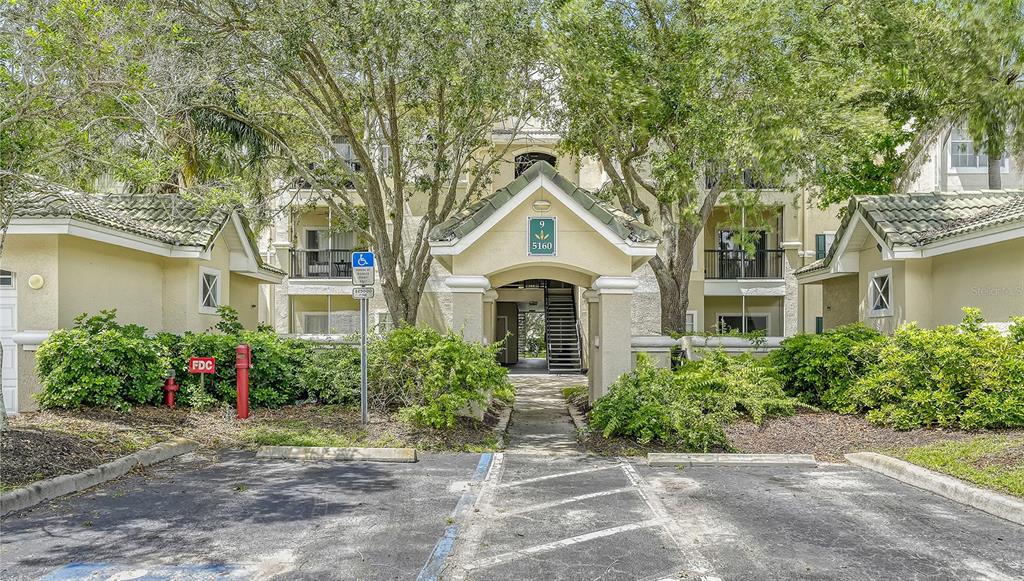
165 218
919 219
464 222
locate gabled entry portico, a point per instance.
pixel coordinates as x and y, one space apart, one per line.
542 227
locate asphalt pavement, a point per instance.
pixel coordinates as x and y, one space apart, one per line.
523 516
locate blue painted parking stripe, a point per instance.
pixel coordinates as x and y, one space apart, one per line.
101 571
435 564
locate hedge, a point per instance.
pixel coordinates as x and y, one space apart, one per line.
427 376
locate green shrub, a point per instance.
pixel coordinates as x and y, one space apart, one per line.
99 362
819 369
965 375
689 407
430 377
331 376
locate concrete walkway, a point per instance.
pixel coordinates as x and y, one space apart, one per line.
540 423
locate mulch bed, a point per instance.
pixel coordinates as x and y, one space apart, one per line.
826 435
45 444
35 454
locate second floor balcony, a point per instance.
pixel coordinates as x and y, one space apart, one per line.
736 264
321 264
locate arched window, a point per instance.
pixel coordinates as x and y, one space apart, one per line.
525 160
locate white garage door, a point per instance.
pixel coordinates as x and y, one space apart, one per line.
8 321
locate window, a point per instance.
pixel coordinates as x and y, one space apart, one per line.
819 325
323 239
739 323
965 155
209 290
6 279
315 323
880 293
822 242
524 161
691 321
344 150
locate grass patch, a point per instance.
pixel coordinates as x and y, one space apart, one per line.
995 462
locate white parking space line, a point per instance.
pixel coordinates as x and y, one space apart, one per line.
569 500
562 543
695 560
553 476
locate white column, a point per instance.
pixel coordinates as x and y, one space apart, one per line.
468 305
614 329
490 297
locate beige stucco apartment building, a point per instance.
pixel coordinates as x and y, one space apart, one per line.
157 259
539 242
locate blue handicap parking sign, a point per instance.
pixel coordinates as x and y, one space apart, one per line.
362 259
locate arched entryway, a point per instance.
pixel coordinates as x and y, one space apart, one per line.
587 248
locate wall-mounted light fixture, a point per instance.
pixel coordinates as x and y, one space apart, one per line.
36 282
541 206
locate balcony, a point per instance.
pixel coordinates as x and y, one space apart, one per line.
734 264
321 264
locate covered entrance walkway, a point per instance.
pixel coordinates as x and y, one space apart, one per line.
542 227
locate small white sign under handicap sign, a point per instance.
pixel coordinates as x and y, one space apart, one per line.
362 279
362 268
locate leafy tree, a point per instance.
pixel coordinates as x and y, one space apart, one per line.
689 104
380 106
943 63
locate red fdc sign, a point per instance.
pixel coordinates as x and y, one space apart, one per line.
201 365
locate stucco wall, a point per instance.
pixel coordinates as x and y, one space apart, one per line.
245 298
579 248
25 255
841 300
96 276
181 289
990 278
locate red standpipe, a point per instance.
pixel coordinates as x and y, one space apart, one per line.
242 362
170 388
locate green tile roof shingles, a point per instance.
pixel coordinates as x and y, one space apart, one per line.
164 218
464 222
923 218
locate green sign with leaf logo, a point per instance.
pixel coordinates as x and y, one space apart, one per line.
542 232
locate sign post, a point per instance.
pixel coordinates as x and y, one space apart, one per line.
362 278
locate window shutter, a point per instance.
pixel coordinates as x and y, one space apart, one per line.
820 246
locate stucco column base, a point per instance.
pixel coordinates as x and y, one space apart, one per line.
468 305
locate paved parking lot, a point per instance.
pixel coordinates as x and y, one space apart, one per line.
528 517
584 518
192 518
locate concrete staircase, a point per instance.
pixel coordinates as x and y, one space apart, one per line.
563 338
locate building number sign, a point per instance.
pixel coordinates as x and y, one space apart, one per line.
542 234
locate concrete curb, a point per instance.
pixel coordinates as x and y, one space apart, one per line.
994 503
51 488
669 459
351 454
577 416
502 426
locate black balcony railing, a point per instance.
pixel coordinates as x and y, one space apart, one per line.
727 264
321 264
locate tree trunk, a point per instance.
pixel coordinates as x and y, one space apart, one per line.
995 176
673 274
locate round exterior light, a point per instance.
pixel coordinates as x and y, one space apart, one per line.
36 282
541 206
